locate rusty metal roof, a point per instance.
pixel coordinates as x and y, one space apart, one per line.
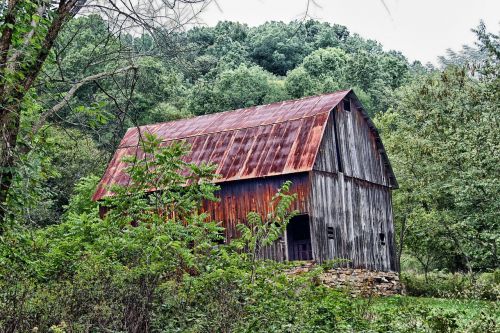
259 141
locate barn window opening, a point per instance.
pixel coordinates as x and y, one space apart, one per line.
347 105
382 238
329 232
298 237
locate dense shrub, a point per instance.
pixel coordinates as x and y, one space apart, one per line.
453 285
411 314
225 300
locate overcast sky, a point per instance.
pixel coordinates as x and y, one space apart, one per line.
421 29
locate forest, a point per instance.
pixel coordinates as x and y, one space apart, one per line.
74 75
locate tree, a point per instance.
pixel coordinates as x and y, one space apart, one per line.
278 47
118 262
29 32
324 70
236 88
442 135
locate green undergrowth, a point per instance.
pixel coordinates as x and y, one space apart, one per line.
143 268
453 285
427 314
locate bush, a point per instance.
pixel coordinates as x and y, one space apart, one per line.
225 300
453 285
412 314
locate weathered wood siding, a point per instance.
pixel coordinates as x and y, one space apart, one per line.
327 158
347 191
360 157
359 212
238 198
350 193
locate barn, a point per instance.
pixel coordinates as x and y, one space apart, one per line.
326 145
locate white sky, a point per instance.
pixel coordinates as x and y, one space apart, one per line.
421 29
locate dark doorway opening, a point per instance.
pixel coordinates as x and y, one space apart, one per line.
298 237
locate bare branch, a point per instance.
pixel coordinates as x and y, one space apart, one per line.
387 9
56 108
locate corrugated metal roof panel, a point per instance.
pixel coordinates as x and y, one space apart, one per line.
259 141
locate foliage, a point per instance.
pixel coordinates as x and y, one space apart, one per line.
81 201
412 314
278 47
48 168
45 50
234 89
259 233
321 71
142 268
147 269
161 168
443 138
115 263
453 285
373 76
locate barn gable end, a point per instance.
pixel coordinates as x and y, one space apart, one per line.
351 145
351 182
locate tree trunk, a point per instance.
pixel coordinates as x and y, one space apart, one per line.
13 95
401 244
9 129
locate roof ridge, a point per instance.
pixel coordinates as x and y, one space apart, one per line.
229 129
245 108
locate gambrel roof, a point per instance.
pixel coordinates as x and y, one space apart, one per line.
260 141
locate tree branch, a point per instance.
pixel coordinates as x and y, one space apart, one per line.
64 12
27 38
56 108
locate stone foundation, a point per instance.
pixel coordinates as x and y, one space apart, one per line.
359 282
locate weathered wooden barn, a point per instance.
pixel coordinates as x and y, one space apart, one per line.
326 145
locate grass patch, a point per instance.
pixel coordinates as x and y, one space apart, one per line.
423 314
453 285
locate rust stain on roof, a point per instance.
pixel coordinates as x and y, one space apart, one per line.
259 141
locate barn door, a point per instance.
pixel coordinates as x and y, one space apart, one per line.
298 236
